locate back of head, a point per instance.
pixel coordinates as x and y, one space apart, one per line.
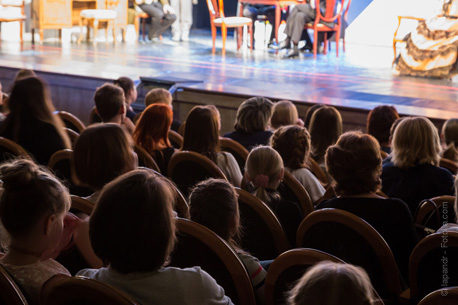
132 228
284 114
253 115
329 283
264 169
213 204
379 123
293 145
109 99
151 131
126 84
23 73
201 133
102 153
30 193
309 114
158 96
355 164
325 129
415 141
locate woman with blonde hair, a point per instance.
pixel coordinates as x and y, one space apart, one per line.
284 114
201 135
329 283
264 171
413 173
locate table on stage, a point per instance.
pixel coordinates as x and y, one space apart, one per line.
278 4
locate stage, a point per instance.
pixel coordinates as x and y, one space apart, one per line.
355 82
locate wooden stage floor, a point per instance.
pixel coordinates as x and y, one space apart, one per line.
362 77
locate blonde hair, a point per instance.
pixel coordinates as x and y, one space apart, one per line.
284 113
415 141
158 96
329 283
253 115
450 136
263 170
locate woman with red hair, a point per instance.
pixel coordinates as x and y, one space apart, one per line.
151 133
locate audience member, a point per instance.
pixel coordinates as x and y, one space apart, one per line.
213 204
132 229
183 22
23 73
102 153
293 145
31 122
450 137
201 135
284 113
309 114
329 283
162 96
252 123
264 172
110 106
379 123
355 165
151 133
413 174
33 208
130 93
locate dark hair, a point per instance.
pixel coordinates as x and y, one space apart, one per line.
309 114
132 227
253 115
125 83
379 123
293 145
213 204
201 132
30 193
325 128
355 164
102 153
152 129
108 101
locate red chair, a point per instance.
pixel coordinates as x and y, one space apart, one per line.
330 16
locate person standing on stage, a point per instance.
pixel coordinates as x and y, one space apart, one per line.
161 13
252 11
182 25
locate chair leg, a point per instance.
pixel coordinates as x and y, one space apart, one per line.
143 28
239 32
343 44
213 38
325 49
114 32
96 27
224 34
81 32
250 32
106 32
137 26
21 28
337 42
315 43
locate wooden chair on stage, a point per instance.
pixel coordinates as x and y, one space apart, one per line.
333 20
218 19
13 11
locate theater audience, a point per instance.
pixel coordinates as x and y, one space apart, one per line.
309 113
132 229
213 204
284 113
413 174
201 135
293 145
355 165
252 123
130 93
379 123
329 283
31 122
264 172
151 133
162 96
450 137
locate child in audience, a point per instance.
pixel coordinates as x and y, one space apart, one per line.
201 135
264 172
450 137
252 123
33 209
213 204
293 145
284 114
329 283
102 153
309 114
130 93
379 122
132 229
162 96
151 133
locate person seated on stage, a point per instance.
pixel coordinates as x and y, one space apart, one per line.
132 229
110 106
161 13
162 96
450 137
379 122
252 11
329 283
130 94
284 113
252 123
